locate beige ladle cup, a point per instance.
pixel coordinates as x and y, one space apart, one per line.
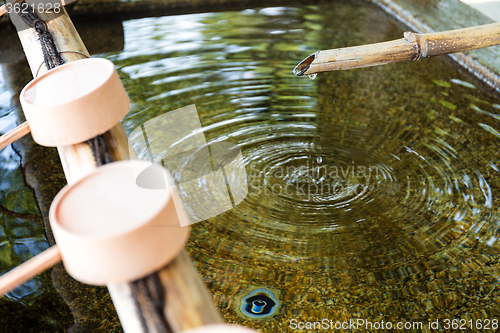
71 104
110 228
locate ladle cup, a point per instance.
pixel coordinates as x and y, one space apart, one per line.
110 228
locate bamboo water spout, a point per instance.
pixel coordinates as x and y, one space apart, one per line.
412 47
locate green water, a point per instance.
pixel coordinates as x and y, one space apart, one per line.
373 193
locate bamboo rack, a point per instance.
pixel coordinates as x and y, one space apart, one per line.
189 304
412 47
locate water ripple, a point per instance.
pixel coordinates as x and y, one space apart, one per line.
379 180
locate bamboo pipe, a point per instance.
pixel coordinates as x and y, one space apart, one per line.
412 47
183 285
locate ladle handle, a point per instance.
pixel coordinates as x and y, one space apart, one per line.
3 8
14 135
29 269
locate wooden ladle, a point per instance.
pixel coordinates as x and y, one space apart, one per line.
110 229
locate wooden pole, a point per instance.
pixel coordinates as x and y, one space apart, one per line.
412 47
183 286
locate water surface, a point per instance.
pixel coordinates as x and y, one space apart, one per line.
373 193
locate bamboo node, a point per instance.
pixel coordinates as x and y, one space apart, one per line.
422 46
420 42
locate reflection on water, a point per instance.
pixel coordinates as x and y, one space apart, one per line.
21 233
373 193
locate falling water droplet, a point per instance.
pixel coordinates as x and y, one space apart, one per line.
312 76
319 160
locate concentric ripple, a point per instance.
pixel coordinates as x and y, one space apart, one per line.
373 193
